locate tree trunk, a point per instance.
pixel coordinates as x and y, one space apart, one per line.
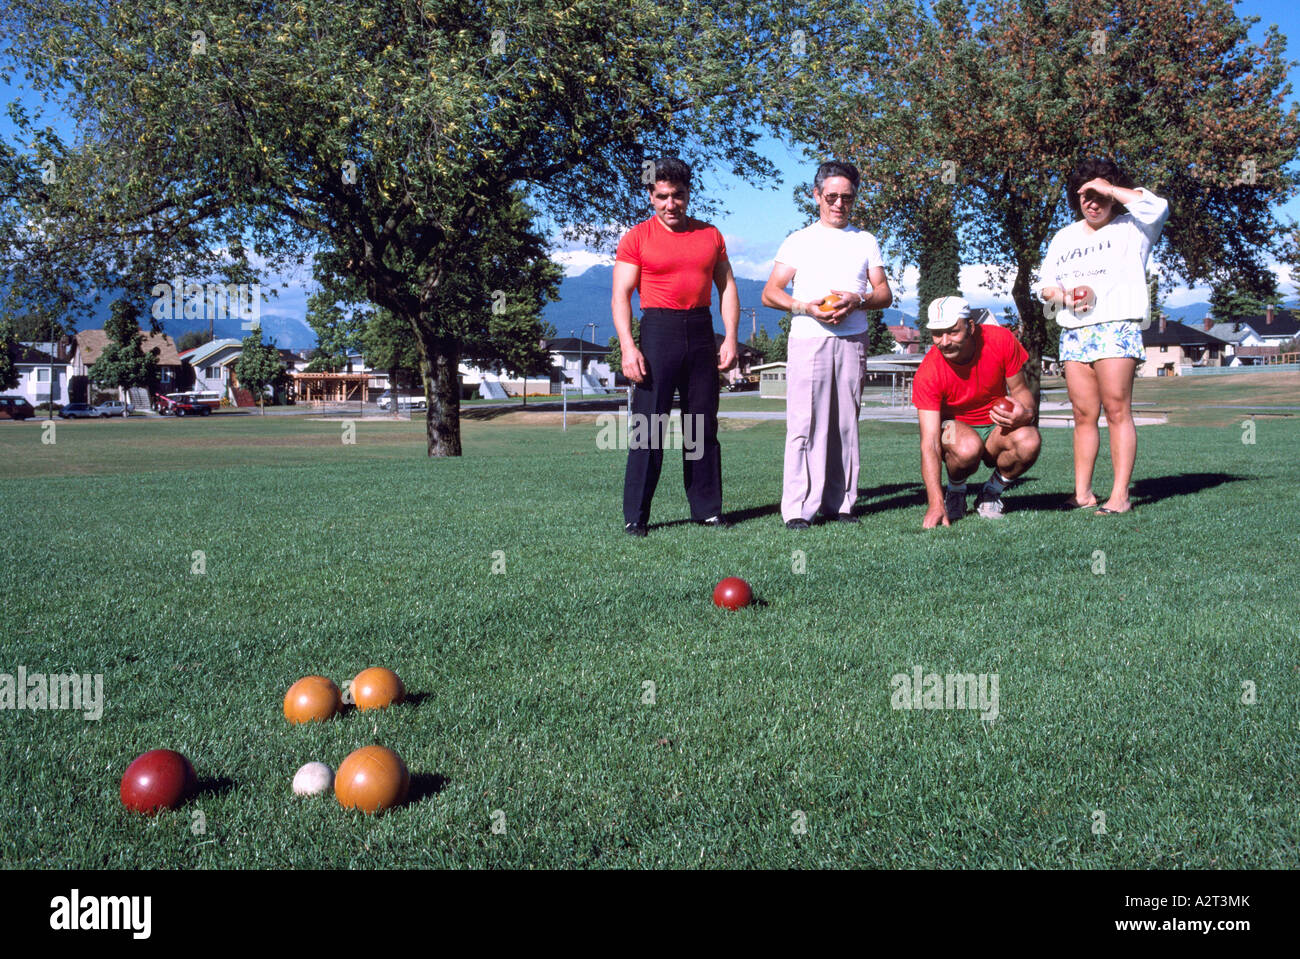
1033 332
439 362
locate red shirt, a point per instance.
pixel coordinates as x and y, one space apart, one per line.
967 393
676 267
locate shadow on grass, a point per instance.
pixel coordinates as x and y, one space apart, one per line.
912 495
1153 489
425 786
900 496
212 786
1144 492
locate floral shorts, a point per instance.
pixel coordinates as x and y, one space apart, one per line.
1101 341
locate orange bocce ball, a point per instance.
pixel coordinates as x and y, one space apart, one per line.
312 699
376 688
372 779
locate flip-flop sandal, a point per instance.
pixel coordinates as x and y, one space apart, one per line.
1072 504
1106 511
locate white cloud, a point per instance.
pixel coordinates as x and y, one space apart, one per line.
578 262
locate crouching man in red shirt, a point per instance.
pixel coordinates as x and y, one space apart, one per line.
968 370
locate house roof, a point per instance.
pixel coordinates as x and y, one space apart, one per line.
1284 323
91 343
24 354
1228 332
1178 334
201 352
905 334
571 344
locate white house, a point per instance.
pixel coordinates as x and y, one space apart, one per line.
42 378
212 363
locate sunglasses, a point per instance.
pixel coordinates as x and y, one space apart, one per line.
834 199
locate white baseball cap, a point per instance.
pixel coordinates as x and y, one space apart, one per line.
946 312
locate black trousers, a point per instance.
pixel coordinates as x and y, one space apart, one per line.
681 356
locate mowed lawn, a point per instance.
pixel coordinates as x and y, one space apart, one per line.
1123 648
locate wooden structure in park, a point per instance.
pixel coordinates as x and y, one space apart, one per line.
329 387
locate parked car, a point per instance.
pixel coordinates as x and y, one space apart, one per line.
403 402
185 404
189 406
78 411
112 408
15 408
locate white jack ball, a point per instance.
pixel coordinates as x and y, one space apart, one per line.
313 778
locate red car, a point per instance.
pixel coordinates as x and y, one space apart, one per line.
182 404
15 408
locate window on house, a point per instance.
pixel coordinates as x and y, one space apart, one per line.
1164 349
43 375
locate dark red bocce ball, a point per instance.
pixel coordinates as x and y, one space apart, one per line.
732 593
1004 404
159 779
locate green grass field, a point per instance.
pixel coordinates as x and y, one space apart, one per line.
770 740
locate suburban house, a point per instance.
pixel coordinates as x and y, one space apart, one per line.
771 380
746 358
578 363
1171 346
42 377
172 373
213 364
907 339
1257 340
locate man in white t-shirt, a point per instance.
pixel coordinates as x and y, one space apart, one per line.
838 275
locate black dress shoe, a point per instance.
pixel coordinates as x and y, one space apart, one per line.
634 529
797 524
846 518
717 522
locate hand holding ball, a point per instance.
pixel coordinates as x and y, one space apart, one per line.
1082 299
1004 405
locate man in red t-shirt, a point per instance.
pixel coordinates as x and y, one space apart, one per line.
968 370
673 261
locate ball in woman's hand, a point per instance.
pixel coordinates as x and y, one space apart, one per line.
1082 299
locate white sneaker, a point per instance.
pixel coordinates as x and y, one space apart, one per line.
988 505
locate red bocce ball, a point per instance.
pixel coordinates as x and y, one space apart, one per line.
1005 405
732 593
159 779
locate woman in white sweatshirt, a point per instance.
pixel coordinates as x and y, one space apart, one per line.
1094 280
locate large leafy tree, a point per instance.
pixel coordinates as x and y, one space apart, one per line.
389 344
879 339
124 363
9 375
382 133
338 332
939 261
989 105
258 366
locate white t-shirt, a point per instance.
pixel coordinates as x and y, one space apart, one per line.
826 259
1111 260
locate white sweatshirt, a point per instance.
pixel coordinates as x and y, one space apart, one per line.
1112 261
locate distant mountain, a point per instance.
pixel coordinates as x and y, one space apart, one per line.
282 319
1190 314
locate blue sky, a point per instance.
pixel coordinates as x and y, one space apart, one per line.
757 219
